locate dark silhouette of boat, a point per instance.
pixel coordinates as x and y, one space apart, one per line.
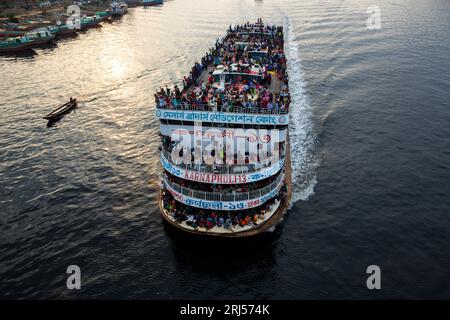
59 112
148 3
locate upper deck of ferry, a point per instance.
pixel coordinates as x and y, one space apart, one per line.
245 73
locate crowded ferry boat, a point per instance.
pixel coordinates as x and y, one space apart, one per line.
224 137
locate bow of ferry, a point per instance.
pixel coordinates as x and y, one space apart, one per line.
213 182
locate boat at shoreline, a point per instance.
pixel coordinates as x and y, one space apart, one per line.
225 138
11 33
40 36
104 15
88 22
17 44
27 34
27 41
63 30
148 3
143 3
118 9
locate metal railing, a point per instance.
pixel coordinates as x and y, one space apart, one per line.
223 196
229 109
221 168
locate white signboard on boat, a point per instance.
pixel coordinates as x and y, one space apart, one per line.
206 177
222 117
222 205
210 133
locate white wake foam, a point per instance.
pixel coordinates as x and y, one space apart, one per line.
301 135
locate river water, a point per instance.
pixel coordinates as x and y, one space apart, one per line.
370 141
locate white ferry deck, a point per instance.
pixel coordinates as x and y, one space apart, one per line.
228 90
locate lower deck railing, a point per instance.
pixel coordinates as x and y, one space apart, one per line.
224 196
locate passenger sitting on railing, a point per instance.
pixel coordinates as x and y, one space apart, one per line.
201 219
191 221
228 222
220 221
210 221
213 103
245 221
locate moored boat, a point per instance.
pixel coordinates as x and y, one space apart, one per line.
118 9
64 30
18 27
133 3
90 22
40 36
11 33
147 3
15 44
225 138
104 15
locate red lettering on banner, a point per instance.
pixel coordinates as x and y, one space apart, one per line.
253 203
177 196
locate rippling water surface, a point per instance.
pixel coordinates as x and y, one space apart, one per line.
370 141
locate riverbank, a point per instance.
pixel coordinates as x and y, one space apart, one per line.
44 26
9 15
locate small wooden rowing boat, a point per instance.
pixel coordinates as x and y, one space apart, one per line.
59 112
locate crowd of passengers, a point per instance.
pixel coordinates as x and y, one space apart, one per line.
208 219
254 27
223 188
260 157
251 92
